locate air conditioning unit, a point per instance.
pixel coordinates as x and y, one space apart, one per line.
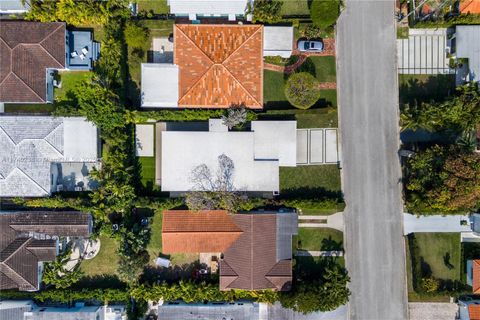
60 188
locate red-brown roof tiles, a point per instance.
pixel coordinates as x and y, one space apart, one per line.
470 6
186 231
476 276
219 65
253 257
27 49
474 311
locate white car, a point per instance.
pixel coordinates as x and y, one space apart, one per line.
315 46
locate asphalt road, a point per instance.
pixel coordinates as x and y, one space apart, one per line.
368 100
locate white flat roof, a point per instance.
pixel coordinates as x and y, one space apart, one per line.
468 46
80 140
278 41
183 151
208 7
159 85
276 140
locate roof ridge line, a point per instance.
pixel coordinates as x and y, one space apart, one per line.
196 82
14 144
51 33
6 44
43 49
27 86
240 46
16 250
241 85
16 273
45 139
203 52
26 175
224 61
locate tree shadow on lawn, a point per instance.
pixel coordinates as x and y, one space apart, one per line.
311 268
174 273
328 244
103 281
305 193
436 88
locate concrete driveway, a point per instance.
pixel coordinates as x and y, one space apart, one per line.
369 136
436 223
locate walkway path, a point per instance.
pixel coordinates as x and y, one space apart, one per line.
334 221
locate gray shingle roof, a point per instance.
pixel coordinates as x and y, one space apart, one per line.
29 146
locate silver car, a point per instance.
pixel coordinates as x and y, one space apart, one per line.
315 46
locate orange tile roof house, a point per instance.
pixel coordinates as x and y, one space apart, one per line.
203 231
470 7
256 247
473 275
215 66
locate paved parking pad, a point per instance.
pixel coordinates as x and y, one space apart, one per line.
424 52
317 146
144 140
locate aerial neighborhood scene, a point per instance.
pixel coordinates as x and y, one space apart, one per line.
240 159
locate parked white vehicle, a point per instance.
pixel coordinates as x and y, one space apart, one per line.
305 46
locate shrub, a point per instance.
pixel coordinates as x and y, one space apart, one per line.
302 90
324 13
235 116
136 36
267 11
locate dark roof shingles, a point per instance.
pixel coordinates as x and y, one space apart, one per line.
27 49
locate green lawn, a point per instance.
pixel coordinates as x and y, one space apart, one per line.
312 180
319 239
324 68
434 247
157 6
70 80
154 246
440 257
159 28
106 261
148 170
322 115
424 88
29 108
295 7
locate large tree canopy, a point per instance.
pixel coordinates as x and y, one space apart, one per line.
459 113
443 180
325 13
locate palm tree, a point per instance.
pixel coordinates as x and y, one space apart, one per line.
467 141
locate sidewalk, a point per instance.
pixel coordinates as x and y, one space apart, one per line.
334 221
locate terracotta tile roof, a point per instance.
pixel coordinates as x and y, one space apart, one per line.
27 49
470 6
185 231
219 65
20 253
474 311
476 276
252 258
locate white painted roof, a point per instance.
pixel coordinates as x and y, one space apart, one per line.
183 151
256 155
29 145
278 41
276 140
468 46
159 85
208 7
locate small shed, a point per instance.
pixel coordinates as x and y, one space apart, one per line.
278 41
